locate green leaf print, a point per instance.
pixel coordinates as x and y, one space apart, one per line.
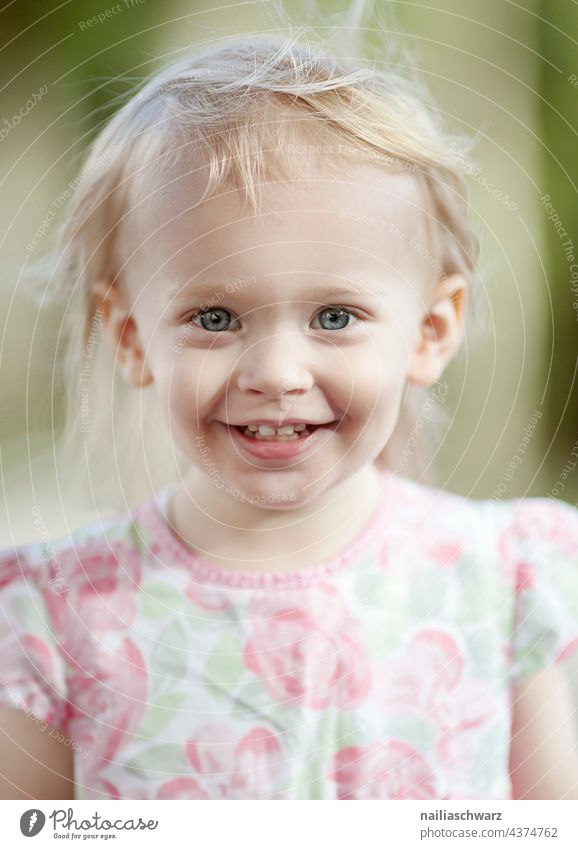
161 762
428 595
416 731
32 614
385 636
564 580
480 599
373 589
252 699
483 652
224 668
161 713
310 782
170 655
489 762
336 731
534 655
160 600
502 615
254 696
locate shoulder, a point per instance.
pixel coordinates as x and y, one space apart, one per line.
426 510
510 535
32 678
511 522
520 556
537 536
95 573
92 552
545 520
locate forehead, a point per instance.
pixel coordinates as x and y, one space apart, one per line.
324 223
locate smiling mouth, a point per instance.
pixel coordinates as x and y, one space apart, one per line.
303 433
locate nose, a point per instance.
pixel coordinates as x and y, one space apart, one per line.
275 367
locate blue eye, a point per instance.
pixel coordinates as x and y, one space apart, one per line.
212 321
336 316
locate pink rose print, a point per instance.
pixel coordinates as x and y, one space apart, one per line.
457 752
105 789
425 537
100 595
102 563
309 652
426 670
208 598
392 770
33 682
426 679
567 651
525 576
105 711
10 569
245 768
536 522
510 557
541 519
445 553
182 788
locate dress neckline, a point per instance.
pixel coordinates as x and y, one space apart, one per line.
154 514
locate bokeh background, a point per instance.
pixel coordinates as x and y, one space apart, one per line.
503 71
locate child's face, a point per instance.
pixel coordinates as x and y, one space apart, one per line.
288 355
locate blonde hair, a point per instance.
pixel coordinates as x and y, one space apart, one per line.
225 104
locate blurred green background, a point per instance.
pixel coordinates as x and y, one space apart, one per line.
498 69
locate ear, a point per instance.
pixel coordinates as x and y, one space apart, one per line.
440 332
122 335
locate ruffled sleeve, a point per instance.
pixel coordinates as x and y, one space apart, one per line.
32 670
539 551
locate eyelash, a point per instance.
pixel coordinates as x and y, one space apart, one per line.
348 310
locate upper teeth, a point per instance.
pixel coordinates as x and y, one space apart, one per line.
267 430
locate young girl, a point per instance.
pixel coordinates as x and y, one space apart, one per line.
276 245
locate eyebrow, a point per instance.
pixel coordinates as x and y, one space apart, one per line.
233 288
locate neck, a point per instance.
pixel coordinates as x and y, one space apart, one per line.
219 526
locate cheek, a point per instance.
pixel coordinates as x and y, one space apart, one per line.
176 379
373 377
192 385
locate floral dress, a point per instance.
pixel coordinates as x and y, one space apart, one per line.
384 673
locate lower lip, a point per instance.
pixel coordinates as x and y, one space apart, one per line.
283 449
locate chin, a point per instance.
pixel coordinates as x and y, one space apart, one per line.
269 496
